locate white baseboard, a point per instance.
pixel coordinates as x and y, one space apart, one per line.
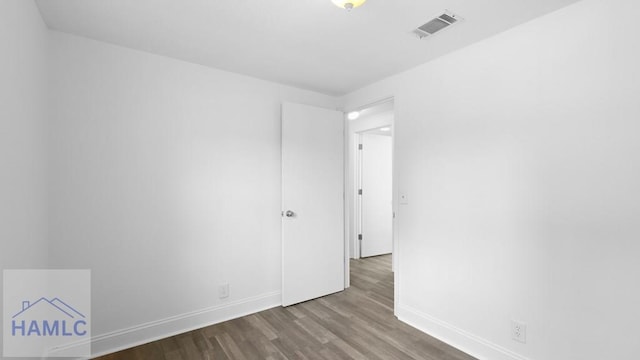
456 337
160 329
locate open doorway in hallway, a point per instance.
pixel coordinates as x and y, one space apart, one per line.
370 180
371 201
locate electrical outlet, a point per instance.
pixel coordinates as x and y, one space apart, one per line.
519 331
223 291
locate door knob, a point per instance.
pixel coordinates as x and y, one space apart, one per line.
289 213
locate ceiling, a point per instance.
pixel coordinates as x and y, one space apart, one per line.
310 44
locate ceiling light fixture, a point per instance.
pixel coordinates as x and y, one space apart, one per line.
385 129
348 4
353 115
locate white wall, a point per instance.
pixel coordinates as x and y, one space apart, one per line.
23 102
519 156
23 56
166 183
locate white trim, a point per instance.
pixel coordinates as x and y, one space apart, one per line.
471 344
358 197
395 201
372 104
155 330
346 204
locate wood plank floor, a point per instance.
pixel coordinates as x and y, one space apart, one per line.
357 323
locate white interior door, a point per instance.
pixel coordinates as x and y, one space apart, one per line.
312 203
377 196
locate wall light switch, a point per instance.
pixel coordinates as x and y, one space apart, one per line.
404 199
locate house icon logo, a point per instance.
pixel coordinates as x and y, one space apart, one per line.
46 313
48 318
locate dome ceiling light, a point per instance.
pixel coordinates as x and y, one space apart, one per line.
348 4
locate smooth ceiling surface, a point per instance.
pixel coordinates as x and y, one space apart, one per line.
310 44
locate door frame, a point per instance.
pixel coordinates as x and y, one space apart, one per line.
352 135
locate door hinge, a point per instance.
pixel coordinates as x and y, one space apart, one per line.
359 146
359 191
359 236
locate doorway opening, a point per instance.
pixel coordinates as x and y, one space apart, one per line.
371 186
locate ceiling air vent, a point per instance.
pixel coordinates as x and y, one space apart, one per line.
441 22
